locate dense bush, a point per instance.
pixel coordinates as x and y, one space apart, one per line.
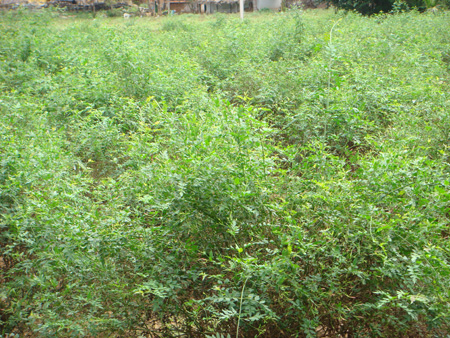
284 176
388 6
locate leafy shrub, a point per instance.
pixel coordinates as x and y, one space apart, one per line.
175 25
282 176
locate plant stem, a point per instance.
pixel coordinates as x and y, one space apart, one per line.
240 307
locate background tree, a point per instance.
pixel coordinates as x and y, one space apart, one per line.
368 7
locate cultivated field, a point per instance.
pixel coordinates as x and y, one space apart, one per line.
198 176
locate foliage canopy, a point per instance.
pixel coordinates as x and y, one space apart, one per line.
368 7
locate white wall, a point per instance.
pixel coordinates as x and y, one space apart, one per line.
271 4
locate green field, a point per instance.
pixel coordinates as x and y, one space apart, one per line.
199 176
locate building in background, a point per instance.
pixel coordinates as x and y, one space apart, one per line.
158 7
267 4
